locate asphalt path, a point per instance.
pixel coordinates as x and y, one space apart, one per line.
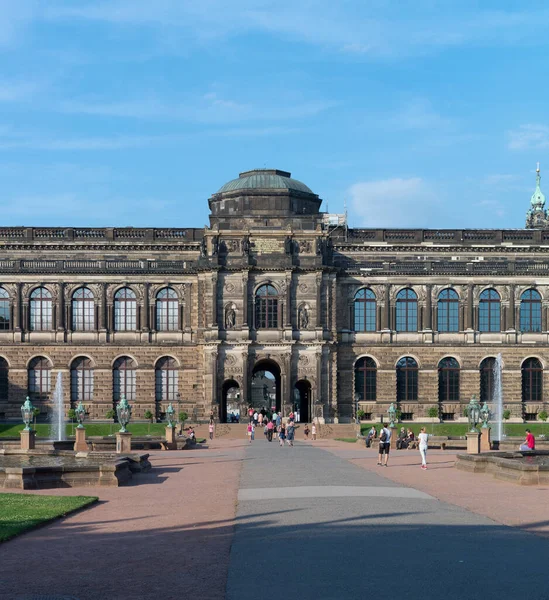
312 525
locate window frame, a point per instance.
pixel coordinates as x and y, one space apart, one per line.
364 311
41 310
531 381
489 311
167 310
267 307
125 310
166 379
448 311
82 379
83 310
124 378
529 304
448 380
406 311
39 370
368 367
407 376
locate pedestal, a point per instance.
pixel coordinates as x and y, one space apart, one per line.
171 443
123 442
80 444
28 437
394 438
473 443
485 445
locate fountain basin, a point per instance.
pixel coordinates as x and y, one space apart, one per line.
43 469
522 468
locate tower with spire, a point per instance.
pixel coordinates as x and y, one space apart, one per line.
537 217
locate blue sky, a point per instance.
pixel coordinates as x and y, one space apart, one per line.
133 112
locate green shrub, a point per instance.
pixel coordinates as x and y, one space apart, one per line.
110 414
542 415
183 416
71 414
506 414
360 414
433 412
148 415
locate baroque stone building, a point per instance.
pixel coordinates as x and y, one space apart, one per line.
336 319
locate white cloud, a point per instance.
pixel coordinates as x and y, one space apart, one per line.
529 137
395 202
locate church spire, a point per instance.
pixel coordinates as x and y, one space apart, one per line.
536 217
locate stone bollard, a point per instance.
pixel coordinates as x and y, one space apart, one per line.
473 443
80 444
171 439
28 438
485 445
123 442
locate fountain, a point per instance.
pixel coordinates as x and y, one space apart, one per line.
497 399
58 432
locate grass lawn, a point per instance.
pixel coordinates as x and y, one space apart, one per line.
42 429
350 440
21 512
455 429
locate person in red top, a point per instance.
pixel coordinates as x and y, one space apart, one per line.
529 443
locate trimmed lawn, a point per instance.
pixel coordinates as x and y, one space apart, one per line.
42 429
455 429
21 512
349 440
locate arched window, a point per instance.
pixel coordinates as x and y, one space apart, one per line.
266 307
406 310
167 379
125 310
487 379
530 311
124 379
364 311
448 380
41 310
167 309
81 379
489 311
532 380
83 310
448 311
366 379
407 371
4 379
5 310
39 378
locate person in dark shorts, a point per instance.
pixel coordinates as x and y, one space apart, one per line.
384 446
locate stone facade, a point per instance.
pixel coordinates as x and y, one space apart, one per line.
266 229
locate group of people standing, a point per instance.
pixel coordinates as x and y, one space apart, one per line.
274 427
406 437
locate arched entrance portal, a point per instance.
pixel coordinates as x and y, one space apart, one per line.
266 387
230 402
302 401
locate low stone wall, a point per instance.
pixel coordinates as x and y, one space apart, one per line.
504 466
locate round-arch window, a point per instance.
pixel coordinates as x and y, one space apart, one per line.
266 307
364 310
406 310
407 379
366 379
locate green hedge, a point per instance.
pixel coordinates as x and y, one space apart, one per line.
454 429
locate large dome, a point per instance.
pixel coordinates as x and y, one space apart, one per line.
265 179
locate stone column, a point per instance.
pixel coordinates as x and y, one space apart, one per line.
511 310
146 325
245 299
288 301
214 299
18 305
428 320
470 324
103 316
386 323
319 300
245 378
60 307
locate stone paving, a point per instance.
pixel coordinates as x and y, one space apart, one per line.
319 520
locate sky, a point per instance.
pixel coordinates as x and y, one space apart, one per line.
411 114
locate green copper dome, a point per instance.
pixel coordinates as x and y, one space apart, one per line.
538 197
265 179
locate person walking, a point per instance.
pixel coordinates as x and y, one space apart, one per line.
251 414
306 432
313 431
249 431
211 430
384 446
282 435
270 428
256 417
423 439
290 433
252 438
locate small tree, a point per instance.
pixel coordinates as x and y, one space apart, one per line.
110 414
183 416
35 414
542 416
149 416
433 414
360 414
506 414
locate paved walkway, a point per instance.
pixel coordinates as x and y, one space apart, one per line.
303 531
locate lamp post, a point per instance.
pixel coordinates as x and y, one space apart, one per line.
80 413
171 442
80 444
124 412
391 411
473 414
357 398
27 435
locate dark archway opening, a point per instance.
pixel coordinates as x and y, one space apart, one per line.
302 401
266 386
230 402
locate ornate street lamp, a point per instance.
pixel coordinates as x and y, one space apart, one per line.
27 412
485 415
392 412
170 415
124 412
80 413
473 414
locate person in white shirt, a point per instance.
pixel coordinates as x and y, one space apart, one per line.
423 438
384 445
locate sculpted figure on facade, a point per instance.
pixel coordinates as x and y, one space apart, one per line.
230 317
303 317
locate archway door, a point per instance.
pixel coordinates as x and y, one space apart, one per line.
230 402
265 389
302 401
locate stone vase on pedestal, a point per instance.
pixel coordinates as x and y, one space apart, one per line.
80 444
28 438
171 442
123 442
473 442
